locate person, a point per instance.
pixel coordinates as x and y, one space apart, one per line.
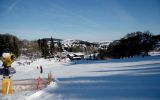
37 67
7 60
41 69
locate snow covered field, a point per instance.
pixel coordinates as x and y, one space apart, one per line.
125 79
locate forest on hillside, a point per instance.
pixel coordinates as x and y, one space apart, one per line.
132 44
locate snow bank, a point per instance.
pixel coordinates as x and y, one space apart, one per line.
43 93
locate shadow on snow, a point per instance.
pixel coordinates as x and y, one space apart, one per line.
135 59
114 87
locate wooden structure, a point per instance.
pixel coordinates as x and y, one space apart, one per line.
26 84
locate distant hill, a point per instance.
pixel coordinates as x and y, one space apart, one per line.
71 43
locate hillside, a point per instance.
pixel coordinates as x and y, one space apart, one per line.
127 79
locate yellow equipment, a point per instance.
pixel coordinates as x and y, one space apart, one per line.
7 86
7 61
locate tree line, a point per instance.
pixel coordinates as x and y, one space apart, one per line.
9 43
132 44
49 47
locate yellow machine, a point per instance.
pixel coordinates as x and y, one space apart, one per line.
7 86
7 59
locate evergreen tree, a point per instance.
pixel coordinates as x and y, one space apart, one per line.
43 45
9 43
52 47
60 49
16 46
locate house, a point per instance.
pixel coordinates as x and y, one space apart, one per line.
75 56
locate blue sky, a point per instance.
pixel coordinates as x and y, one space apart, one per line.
94 20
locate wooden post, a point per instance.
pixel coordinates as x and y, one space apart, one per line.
50 77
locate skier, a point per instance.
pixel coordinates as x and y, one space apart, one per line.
7 60
41 69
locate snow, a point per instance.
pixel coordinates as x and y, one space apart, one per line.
5 55
117 79
154 53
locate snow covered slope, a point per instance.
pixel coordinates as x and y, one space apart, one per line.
125 79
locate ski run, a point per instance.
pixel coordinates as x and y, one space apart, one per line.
117 79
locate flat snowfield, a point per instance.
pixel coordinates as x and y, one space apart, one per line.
119 79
